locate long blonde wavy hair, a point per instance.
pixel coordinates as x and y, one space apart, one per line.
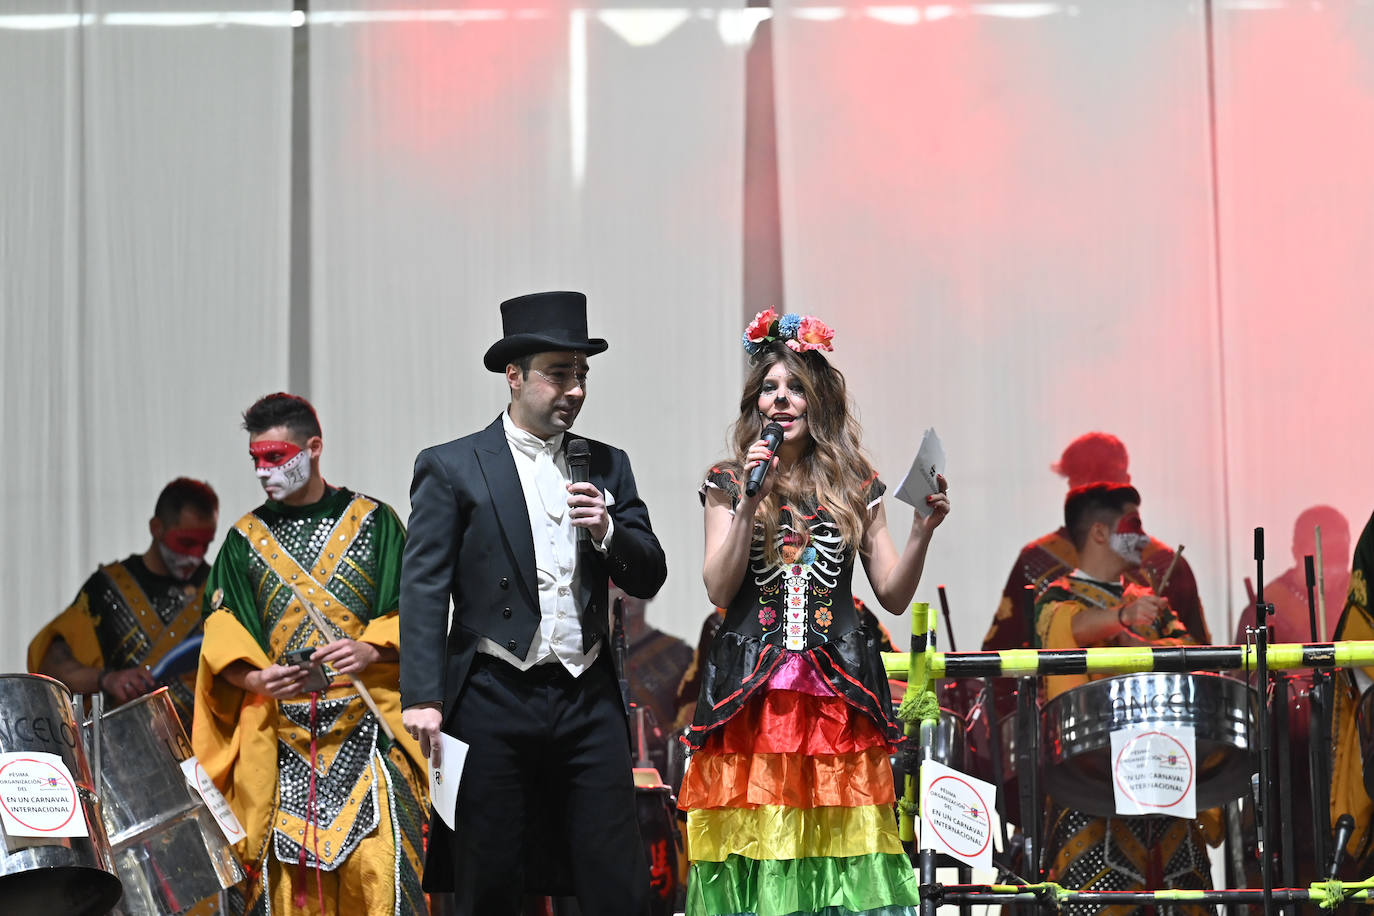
833 472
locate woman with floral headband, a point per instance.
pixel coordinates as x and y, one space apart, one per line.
789 794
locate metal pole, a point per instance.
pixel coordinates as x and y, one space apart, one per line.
1265 798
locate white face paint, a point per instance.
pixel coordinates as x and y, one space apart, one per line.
1129 546
281 480
181 565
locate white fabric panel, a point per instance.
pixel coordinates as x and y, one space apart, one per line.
39 319
479 154
1004 211
182 277
1295 119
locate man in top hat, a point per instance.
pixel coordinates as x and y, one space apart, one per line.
524 675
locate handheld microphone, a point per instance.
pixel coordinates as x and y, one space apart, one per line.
772 434
579 457
1345 826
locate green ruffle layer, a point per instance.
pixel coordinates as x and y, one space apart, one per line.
841 911
880 884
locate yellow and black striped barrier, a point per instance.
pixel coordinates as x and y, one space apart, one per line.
1325 894
920 709
1130 660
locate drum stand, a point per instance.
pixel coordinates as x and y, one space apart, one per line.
1028 766
1264 797
1319 742
965 872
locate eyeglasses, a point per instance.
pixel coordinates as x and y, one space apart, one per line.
563 379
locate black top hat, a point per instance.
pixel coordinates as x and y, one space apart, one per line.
540 322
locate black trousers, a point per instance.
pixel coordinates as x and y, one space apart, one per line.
548 777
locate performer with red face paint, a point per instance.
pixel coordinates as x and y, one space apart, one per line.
1091 458
1095 605
141 614
332 806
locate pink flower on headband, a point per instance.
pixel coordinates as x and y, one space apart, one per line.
813 334
798 332
761 328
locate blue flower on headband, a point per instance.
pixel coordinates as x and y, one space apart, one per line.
798 332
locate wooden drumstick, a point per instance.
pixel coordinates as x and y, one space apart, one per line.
322 625
1321 584
1168 573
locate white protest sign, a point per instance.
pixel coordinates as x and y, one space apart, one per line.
200 781
956 814
1154 770
38 796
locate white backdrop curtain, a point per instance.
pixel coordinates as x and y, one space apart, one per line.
144 219
489 152
1011 212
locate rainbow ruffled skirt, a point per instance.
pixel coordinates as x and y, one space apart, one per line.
790 809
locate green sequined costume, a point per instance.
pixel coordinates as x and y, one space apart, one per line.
362 828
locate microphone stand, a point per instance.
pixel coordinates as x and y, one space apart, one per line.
1027 760
1318 738
1264 800
965 872
622 654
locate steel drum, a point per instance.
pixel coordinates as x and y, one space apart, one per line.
1078 725
67 875
664 847
169 850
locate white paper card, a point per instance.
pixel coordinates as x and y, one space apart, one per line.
205 787
443 782
1154 770
956 814
38 796
919 481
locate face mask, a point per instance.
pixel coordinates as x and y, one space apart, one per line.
282 467
1129 539
181 565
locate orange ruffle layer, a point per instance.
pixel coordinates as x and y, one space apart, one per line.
787 722
792 780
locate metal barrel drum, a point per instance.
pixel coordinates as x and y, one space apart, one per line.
50 875
664 847
1078 725
169 850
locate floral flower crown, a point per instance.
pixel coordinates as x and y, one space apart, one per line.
799 332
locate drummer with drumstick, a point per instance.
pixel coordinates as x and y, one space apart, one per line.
1095 606
1091 458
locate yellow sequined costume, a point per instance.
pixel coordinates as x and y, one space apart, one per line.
1348 793
357 820
127 616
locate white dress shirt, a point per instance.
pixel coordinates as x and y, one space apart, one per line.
542 466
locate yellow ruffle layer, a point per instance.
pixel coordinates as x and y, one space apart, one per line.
777 832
